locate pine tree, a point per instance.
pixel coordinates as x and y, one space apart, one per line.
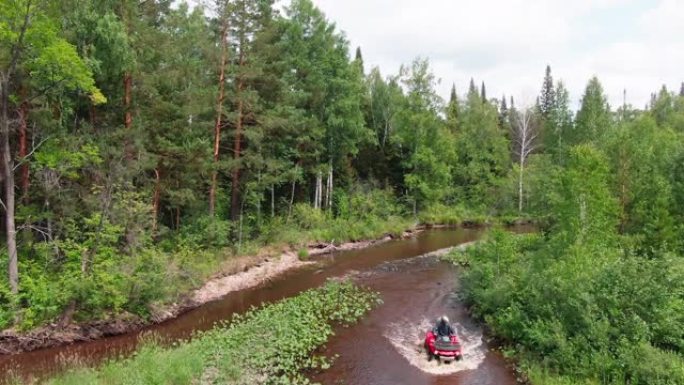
663 107
452 110
503 114
483 93
561 118
512 112
246 21
681 90
472 90
358 58
547 99
594 116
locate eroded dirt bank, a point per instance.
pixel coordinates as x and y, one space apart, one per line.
239 274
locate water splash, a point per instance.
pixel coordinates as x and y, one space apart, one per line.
408 337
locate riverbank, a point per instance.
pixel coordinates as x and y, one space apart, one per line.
555 318
238 273
274 342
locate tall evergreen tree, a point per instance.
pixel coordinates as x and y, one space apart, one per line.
663 107
358 58
247 19
547 99
452 110
471 87
594 117
483 92
503 114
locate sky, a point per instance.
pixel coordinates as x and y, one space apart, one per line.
637 45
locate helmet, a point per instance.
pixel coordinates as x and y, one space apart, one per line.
444 319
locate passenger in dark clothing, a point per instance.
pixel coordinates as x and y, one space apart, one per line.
444 328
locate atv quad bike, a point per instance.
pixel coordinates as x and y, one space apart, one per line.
444 348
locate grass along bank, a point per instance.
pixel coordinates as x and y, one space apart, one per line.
273 344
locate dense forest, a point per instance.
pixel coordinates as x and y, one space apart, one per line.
144 142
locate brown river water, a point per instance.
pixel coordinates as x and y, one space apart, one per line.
384 348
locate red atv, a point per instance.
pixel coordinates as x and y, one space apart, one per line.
444 348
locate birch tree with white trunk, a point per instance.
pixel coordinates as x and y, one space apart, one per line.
525 135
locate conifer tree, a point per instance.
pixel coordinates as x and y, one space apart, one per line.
594 117
547 99
358 58
472 90
503 113
452 110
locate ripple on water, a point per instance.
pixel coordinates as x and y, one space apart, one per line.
408 337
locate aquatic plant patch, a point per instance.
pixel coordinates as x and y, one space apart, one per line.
272 344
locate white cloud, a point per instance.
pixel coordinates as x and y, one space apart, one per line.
633 44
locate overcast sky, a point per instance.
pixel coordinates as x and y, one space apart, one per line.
632 44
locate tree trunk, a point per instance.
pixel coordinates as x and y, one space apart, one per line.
8 171
292 194
318 191
235 177
155 199
272 201
520 184
93 116
128 118
329 196
219 113
237 144
6 161
23 149
128 86
242 206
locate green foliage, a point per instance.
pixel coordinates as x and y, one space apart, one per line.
610 322
483 156
582 203
273 344
7 301
643 156
594 117
114 216
303 254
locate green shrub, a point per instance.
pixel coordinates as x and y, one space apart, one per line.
442 214
306 217
584 312
207 232
303 254
6 303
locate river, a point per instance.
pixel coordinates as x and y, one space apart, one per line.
382 349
